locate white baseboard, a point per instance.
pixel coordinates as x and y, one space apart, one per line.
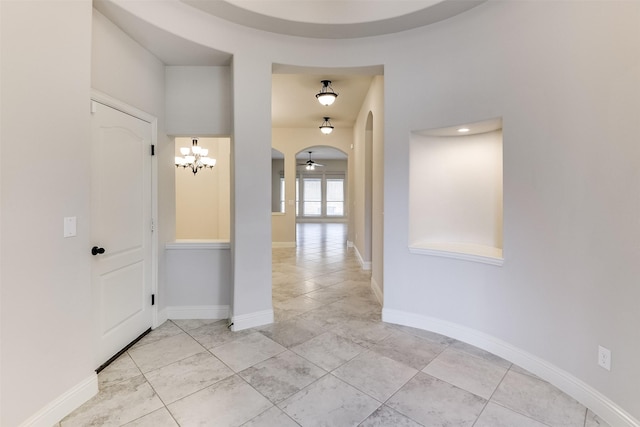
161 317
64 404
283 244
198 312
251 320
366 265
377 291
574 387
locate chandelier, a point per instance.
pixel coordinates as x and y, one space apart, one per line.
326 96
195 157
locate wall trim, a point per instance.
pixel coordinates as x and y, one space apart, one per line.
198 312
162 317
283 244
366 265
251 320
64 404
573 386
377 291
197 244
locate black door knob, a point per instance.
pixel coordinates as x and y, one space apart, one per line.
96 250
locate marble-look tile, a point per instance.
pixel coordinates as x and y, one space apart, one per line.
119 370
539 400
476 375
478 352
161 353
245 352
116 405
433 402
428 335
230 402
182 378
328 350
329 402
215 334
273 417
159 418
281 376
292 332
328 295
190 324
408 349
167 329
521 370
328 279
593 420
363 332
498 416
376 375
327 316
387 417
298 304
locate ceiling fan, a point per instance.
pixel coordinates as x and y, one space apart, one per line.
310 164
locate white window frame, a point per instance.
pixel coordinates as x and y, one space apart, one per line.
301 175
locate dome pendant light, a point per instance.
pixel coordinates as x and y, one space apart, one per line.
326 96
326 127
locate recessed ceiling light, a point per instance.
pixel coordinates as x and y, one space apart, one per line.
463 130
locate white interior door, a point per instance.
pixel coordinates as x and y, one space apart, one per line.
121 225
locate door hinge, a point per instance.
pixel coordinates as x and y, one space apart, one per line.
153 150
153 299
153 226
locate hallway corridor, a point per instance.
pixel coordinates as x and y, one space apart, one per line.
328 360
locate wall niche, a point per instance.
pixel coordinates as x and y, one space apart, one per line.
455 194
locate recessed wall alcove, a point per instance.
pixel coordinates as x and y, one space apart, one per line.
455 194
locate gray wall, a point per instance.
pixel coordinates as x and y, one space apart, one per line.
568 99
46 319
564 77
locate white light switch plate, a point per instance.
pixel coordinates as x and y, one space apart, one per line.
69 226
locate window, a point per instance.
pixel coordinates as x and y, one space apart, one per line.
320 195
312 201
282 194
335 197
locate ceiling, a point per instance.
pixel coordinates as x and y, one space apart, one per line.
337 19
294 105
294 88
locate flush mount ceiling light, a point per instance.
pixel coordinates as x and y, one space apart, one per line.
326 96
195 157
326 127
463 130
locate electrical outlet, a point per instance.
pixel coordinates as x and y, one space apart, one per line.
604 357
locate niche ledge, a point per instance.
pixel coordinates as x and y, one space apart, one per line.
464 251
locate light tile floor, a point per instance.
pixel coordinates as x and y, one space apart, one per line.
327 361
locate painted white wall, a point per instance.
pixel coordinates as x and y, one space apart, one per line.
198 100
202 200
250 192
565 83
374 105
46 294
456 189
